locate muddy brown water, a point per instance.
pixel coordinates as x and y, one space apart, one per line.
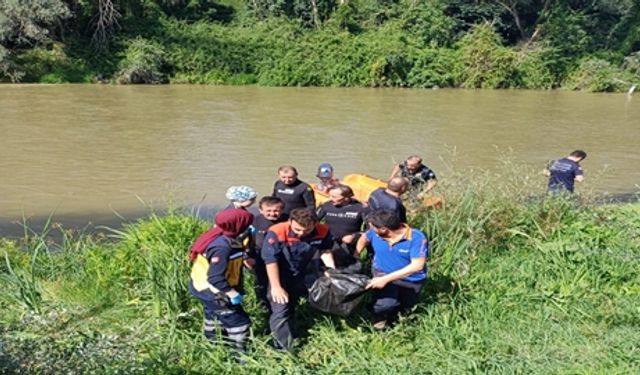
86 152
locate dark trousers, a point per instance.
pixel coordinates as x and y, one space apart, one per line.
261 282
282 316
231 320
397 296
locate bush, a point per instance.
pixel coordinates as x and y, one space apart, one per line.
52 65
427 20
142 62
487 63
390 70
436 68
631 65
532 70
595 75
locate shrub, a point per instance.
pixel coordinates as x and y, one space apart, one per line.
532 71
427 20
142 62
487 64
595 75
436 68
391 70
52 65
631 65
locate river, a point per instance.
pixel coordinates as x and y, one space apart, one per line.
87 152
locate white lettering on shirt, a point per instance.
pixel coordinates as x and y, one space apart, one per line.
286 191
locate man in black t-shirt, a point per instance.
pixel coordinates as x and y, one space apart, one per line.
563 173
421 177
293 192
345 218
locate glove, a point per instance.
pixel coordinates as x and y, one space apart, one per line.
236 300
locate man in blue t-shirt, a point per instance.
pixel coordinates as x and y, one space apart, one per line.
400 254
563 173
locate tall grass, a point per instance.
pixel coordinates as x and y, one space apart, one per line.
156 251
518 284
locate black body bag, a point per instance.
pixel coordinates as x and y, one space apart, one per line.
339 294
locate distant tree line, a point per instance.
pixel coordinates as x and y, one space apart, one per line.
540 44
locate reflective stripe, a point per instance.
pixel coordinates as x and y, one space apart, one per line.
240 337
243 328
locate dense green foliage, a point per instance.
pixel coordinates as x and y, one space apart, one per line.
537 44
516 286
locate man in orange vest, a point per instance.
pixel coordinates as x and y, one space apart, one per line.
288 252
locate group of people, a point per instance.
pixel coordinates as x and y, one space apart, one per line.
291 241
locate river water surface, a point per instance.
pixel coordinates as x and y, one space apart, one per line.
87 151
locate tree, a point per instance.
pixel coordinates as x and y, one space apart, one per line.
23 24
104 23
28 22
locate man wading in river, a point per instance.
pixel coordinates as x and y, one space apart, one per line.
563 173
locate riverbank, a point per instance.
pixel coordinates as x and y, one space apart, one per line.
431 44
515 286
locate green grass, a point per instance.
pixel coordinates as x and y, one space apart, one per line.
517 286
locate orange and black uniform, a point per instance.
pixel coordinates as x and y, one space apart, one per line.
294 256
261 225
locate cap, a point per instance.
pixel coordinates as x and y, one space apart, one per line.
241 193
325 170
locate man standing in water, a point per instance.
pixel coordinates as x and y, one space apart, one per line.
419 175
563 173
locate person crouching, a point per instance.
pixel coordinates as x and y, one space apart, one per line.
399 259
216 278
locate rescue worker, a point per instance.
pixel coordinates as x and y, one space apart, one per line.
564 173
326 177
293 192
216 278
421 178
271 212
288 251
345 217
400 254
241 196
389 198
